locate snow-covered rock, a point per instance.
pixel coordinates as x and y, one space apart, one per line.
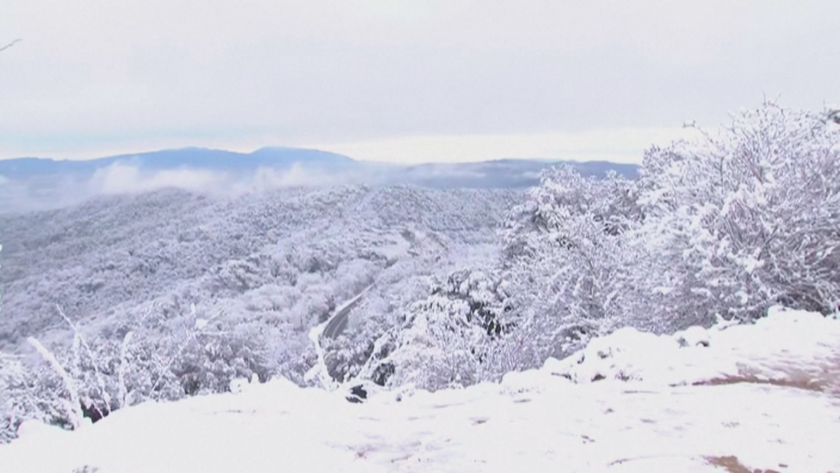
784 346
693 337
238 385
33 428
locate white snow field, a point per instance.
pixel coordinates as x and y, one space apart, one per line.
733 398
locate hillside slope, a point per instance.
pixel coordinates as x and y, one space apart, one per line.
283 257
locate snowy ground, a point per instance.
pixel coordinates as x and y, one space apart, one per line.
737 399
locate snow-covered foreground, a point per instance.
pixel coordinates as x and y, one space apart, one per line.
764 402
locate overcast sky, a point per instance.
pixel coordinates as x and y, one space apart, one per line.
413 80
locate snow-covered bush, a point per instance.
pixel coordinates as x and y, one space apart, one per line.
220 354
436 347
344 358
743 220
29 394
567 261
467 302
97 375
444 339
486 296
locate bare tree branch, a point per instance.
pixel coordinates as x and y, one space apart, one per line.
3 48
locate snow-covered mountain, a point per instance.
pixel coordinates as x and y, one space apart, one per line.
285 158
196 158
40 183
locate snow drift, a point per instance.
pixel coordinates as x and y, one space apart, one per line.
754 397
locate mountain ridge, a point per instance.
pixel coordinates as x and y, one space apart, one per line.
274 157
28 184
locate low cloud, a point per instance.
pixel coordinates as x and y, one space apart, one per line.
49 192
265 178
122 178
430 171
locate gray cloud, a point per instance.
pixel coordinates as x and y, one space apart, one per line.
93 75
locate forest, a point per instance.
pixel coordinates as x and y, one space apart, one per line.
169 294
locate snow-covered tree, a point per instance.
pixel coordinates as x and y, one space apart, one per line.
567 261
443 340
738 221
435 349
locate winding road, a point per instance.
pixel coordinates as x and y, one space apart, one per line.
338 321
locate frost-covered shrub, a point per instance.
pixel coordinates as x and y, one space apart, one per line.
568 263
443 340
216 357
29 394
145 363
344 358
742 220
486 297
435 348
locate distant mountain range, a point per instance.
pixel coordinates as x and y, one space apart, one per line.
500 173
194 158
30 183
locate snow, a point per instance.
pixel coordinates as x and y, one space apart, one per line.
318 372
685 402
784 345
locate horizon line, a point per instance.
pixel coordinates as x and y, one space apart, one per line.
307 148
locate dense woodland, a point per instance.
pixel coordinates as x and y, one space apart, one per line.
171 294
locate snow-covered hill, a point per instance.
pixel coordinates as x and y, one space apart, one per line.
759 397
265 268
266 253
